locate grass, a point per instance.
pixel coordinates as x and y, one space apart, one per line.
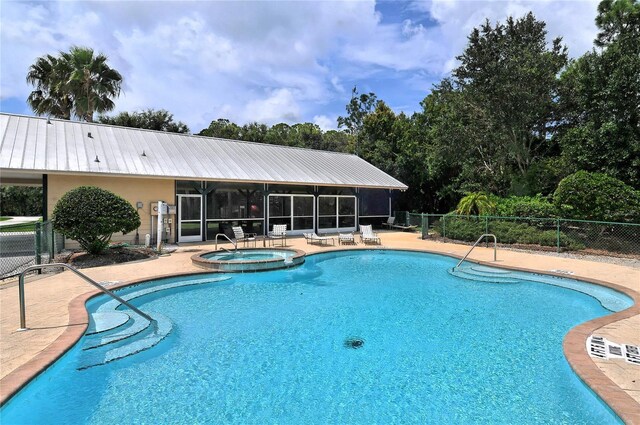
23 227
5 218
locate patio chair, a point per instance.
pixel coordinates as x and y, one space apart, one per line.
390 222
367 235
278 232
346 239
312 238
241 236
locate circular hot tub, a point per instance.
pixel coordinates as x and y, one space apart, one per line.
249 260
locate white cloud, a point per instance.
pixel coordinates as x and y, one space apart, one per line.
263 61
325 123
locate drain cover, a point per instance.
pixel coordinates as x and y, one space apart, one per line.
354 343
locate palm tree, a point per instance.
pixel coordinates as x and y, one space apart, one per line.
476 203
47 74
91 82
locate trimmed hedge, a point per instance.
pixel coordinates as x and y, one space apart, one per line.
469 229
90 215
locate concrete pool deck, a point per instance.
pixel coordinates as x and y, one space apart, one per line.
56 316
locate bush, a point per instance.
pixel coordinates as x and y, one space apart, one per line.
469 229
476 203
90 215
525 206
20 201
596 196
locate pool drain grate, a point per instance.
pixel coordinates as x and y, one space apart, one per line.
354 343
602 348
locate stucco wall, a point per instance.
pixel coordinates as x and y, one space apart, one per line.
132 189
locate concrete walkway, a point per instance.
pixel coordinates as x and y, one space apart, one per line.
55 322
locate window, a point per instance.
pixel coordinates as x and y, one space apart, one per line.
374 202
296 211
336 212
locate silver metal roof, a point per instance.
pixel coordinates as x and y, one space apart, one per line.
29 144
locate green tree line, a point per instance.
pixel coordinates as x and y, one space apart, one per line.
515 116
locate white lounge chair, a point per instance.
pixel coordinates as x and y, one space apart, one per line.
241 236
278 232
346 239
390 222
321 240
367 235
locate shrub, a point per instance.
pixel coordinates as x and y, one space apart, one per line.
469 229
476 203
90 215
596 196
525 206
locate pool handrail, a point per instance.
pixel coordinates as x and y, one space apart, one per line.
23 316
495 248
235 243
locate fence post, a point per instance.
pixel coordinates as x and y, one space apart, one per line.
52 243
557 235
444 226
38 242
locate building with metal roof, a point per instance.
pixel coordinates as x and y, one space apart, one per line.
214 183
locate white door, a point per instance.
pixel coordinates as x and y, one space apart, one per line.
189 218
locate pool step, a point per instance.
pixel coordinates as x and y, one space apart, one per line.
148 338
469 274
608 299
114 334
103 322
112 304
138 324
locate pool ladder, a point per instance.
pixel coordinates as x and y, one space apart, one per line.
23 315
235 243
495 248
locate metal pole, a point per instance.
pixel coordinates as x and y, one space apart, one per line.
160 226
38 242
23 318
83 276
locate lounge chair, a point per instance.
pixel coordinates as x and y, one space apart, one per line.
346 238
367 235
278 232
320 240
390 222
241 236
403 228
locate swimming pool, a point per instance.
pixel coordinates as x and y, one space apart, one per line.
278 347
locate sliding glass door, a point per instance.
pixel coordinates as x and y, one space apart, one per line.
296 211
336 213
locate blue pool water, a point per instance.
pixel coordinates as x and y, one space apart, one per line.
249 255
270 348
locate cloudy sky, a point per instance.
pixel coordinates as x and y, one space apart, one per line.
264 61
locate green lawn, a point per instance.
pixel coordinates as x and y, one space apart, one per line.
24 227
5 218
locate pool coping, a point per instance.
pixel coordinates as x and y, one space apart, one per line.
268 264
574 341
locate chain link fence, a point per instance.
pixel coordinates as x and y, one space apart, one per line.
593 237
23 245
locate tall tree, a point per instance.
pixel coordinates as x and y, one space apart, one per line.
150 119
48 75
601 97
509 72
91 82
76 82
357 109
222 128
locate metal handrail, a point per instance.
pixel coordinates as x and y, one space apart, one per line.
23 319
235 243
495 248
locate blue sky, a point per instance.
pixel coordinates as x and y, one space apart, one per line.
271 61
